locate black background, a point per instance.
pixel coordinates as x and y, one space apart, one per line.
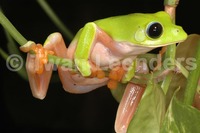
61 111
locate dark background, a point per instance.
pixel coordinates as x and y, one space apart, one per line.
61 111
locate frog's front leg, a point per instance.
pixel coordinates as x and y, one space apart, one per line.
88 37
85 43
130 72
86 49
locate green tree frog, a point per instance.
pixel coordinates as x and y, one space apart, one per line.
103 45
98 46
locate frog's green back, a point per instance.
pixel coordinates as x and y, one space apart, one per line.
132 28
120 26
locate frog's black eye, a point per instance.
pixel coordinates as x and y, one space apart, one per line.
154 30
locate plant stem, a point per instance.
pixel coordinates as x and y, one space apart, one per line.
45 6
192 81
11 29
21 40
3 54
166 82
170 8
62 62
182 69
193 77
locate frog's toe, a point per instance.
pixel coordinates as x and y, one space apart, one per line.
116 75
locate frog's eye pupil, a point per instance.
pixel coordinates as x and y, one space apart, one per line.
154 30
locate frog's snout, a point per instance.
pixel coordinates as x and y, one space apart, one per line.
179 32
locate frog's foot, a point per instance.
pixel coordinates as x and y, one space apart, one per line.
97 72
115 76
41 55
39 77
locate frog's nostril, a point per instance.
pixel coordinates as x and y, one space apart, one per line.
176 31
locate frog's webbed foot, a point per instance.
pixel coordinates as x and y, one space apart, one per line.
38 69
121 74
97 72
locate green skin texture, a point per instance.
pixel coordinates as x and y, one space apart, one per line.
129 28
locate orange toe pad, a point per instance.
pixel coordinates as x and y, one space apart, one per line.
115 76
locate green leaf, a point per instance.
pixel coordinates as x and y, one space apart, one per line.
178 81
150 112
187 49
193 78
181 118
185 55
188 55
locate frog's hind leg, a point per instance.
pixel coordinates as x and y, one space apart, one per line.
38 74
73 83
38 69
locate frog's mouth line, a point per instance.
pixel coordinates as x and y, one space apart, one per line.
128 106
169 44
156 46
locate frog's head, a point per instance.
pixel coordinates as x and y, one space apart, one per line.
157 30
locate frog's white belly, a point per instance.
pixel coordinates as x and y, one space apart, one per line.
103 56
